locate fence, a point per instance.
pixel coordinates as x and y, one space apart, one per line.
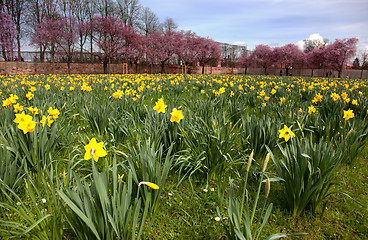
122 68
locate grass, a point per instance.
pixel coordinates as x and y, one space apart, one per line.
191 215
208 149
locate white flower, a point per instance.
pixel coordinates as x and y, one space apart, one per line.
217 219
205 190
18 203
43 200
212 189
170 194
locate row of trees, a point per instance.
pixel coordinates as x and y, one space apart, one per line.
117 40
123 30
28 14
334 56
120 30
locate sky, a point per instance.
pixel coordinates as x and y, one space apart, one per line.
271 22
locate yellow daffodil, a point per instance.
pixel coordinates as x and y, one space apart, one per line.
120 177
150 184
54 113
286 133
311 109
335 96
94 149
160 106
29 95
7 103
17 107
176 115
348 114
13 98
282 100
25 122
354 102
21 117
49 121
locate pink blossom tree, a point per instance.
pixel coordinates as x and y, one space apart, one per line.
288 56
67 39
262 55
340 52
186 47
161 47
137 49
315 59
244 61
112 38
47 34
7 35
58 35
209 52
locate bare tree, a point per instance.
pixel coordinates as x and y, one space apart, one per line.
79 10
169 25
15 9
149 22
364 61
311 44
129 11
106 7
37 11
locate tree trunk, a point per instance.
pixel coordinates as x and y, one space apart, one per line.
81 49
4 53
68 66
92 49
312 72
18 44
42 54
162 67
203 69
105 67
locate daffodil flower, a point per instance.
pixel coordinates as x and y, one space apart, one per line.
160 106
348 114
286 133
149 184
94 149
176 115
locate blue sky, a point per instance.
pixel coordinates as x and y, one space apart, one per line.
272 22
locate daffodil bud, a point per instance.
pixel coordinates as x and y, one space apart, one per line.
149 184
250 160
268 187
266 162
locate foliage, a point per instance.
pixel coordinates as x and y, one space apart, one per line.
306 169
189 160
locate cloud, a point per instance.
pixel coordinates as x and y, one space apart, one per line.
315 36
300 44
